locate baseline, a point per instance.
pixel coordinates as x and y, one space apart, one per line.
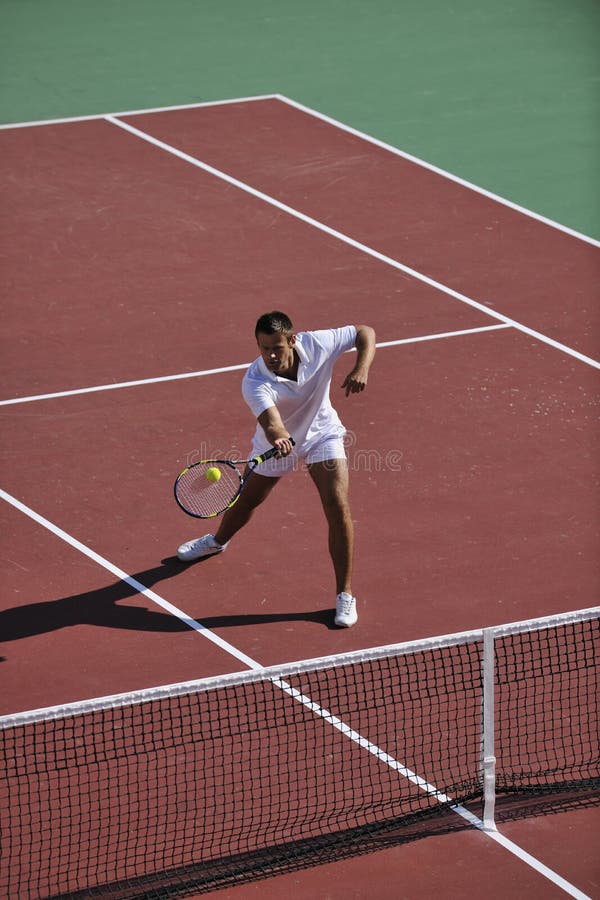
137 112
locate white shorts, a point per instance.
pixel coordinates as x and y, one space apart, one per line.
328 448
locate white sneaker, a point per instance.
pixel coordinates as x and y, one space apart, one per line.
345 610
197 549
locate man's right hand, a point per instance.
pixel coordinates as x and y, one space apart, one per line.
284 446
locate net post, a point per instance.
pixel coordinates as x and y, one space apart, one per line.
488 757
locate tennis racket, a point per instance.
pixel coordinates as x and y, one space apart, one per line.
202 493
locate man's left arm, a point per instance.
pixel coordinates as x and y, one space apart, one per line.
356 380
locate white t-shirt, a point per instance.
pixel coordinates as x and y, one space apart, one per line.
304 405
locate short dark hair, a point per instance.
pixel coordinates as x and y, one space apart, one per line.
274 323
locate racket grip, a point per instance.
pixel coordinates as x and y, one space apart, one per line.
269 454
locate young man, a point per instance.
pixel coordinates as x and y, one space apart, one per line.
287 389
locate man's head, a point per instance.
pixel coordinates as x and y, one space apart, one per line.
275 338
274 323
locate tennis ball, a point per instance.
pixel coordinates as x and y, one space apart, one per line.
213 474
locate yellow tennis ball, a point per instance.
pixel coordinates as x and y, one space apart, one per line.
213 474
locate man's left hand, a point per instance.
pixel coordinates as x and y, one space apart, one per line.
355 382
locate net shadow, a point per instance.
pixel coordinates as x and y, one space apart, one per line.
279 860
244 868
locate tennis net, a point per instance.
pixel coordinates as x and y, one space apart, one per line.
191 787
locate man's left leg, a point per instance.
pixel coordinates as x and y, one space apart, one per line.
332 481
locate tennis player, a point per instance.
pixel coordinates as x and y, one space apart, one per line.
287 389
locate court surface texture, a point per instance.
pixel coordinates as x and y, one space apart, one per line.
142 248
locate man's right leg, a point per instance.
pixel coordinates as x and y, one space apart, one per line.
256 490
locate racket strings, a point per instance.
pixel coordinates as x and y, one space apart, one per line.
203 497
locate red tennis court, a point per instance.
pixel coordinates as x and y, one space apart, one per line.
141 250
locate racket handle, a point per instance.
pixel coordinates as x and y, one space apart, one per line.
269 454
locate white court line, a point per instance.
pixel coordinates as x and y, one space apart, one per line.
132 582
536 864
431 789
509 845
122 384
137 112
442 334
297 695
351 242
182 375
442 172
331 121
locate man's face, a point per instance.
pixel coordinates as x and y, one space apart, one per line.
277 351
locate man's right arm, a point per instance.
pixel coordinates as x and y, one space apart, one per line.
275 431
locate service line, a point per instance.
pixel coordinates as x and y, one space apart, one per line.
235 368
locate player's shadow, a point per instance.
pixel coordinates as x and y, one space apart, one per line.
105 607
